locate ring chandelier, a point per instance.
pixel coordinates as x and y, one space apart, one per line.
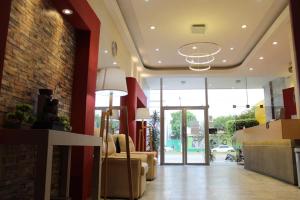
199 55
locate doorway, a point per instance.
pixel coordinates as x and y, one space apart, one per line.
184 136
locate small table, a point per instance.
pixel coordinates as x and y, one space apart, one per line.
45 140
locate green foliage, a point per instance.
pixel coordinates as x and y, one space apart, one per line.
220 122
176 122
65 122
155 126
234 125
248 114
22 115
229 124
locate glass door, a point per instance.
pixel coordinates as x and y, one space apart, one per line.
173 139
195 136
184 135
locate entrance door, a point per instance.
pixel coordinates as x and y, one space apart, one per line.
184 136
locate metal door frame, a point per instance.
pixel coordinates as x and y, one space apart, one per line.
183 109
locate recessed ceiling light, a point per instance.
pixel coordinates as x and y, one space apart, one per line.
139 69
194 47
244 26
105 51
159 62
115 63
146 0
152 27
157 49
67 11
224 61
275 43
250 69
231 48
261 58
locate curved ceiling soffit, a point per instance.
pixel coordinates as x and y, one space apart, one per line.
215 68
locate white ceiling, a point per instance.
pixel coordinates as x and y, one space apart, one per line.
265 19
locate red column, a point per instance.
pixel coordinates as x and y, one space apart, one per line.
135 98
295 21
5 7
130 101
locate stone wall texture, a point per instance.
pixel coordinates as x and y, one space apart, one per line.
40 53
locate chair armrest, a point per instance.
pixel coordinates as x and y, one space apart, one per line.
142 157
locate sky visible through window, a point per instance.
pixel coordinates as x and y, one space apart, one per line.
220 101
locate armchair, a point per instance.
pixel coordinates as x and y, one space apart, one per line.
117 185
151 156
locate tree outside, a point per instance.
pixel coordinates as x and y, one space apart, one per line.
176 122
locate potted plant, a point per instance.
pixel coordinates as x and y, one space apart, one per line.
22 117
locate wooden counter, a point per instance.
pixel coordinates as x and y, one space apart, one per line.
45 140
270 150
285 129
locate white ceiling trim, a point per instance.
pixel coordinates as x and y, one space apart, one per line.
115 12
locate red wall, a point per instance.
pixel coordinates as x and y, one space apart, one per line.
135 98
87 27
289 102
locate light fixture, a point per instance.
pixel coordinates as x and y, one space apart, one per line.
67 11
146 0
244 26
204 49
115 63
199 55
111 81
261 58
250 69
275 43
142 114
231 48
139 69
152 27
159 62
199 68
224 61
105 51
157 49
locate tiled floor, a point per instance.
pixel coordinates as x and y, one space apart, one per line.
216 182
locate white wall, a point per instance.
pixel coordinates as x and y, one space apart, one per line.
109 33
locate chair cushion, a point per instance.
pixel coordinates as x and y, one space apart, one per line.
111 145
145 168
122 143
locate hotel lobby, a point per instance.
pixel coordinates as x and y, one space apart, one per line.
149 99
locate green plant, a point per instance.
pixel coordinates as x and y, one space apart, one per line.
154 124
65 122
22 115
234 125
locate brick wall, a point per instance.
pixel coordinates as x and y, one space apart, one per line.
39 53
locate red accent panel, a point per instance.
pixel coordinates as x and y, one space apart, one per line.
135 98
83 98
5 7
289 102
295 20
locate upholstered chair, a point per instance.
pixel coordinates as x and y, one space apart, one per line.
119 139
117 176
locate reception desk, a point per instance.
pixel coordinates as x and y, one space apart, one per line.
269 148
